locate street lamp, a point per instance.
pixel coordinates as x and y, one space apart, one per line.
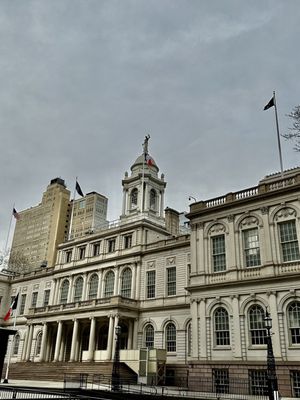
115 376
271 368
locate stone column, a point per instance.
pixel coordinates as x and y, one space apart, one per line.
135 334
116 288
23 357
54 286
44 342
203 333
110 336
138 279
58 341
231 256
195 342
71 289
92 339
275 325
266 246
29 343
236 327
130 331
74 340
84 292
133 286
114 335
99 291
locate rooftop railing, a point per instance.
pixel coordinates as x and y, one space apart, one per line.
262 188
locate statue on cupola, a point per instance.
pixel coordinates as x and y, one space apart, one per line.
143 190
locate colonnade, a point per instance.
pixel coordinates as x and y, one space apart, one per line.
55 338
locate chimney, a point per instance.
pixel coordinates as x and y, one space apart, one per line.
172 221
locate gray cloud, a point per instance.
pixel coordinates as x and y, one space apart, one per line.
82 82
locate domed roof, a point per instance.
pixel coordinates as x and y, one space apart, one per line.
141 160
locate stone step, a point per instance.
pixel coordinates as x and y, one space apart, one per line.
56 371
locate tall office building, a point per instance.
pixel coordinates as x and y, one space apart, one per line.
89 214
41 228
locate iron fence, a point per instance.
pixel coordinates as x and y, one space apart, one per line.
7 393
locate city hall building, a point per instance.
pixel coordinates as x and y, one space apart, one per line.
196 292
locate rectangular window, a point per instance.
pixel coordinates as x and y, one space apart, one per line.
111 245
96 249
81 253
22 305
295 378
289 241
258 382
127 241
46 297
251 247
34 299
171 281
221 380
151 284
218 253
68 256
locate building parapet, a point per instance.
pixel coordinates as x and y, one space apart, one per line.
263 188
114 301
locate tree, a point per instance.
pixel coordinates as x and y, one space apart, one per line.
294 133
13 263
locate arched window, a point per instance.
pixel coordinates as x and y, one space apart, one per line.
78 289
126 283
294 322
189 339
153 198
257 325
38 345
221 325
134 198
93 286
149 336
171 337
64 290
109 284
16 344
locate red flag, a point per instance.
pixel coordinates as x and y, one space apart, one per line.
149 160
16 214
12 307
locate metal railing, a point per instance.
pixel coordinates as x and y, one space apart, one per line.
189 387
9 392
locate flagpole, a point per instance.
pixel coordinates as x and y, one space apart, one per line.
10 350
9 228
71 220
143 177
278 135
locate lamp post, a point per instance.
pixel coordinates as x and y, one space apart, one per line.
271 368
115 376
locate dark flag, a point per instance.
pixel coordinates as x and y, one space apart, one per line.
16 214
78 189
12 307
270 104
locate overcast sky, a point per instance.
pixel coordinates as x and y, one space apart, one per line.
83 81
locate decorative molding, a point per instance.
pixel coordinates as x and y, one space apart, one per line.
48 284
171 261
284 213
217 228
24 289
151 265
230 218
264 210
249 221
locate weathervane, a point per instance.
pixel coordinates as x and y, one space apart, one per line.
145 144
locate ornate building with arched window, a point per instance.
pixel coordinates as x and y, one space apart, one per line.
199 295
